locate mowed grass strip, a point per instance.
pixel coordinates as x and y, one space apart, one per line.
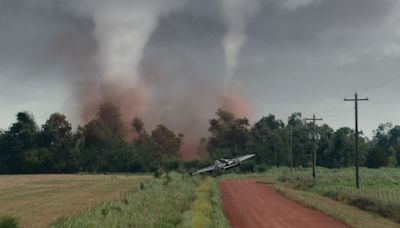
39 200
160 202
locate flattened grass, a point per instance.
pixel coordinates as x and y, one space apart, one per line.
39 200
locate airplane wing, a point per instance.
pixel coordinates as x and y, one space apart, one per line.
239 159
230 166
244 157
203 170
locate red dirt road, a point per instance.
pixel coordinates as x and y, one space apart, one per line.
251 204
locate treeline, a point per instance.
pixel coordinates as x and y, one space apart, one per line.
104 145
273 140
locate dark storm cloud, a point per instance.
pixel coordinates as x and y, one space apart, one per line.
43 44
39 34
183 62
297 57
300 55
325 44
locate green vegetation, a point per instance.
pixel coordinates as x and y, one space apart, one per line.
202 208
8 222
107 144
206 210
172 200
269 138
217 217
101 145
348 214
379 192
159 202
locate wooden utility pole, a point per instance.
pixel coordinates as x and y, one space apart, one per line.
275 148
314 134
356 100
291 149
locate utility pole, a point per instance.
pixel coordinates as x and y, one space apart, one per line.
356 100
314 134
275 148
291 149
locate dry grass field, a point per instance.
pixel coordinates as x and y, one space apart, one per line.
39 200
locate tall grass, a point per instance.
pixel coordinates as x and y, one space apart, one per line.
218 218
379 190
160 202
206 210
202 208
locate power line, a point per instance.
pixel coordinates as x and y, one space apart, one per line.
314 143
356 100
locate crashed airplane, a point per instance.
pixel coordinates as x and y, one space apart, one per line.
223 164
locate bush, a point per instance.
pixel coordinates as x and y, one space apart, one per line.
171 164
299 182
388 210
8 222
191 166
261 168
158 173
248 166
362 203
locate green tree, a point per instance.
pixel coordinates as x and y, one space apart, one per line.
394 140
38 160
168 142
139 129
302 145
267 140
342 150
229 135
58 138
111 118
21 137
3 153
384 146
324 145
295 120
103 151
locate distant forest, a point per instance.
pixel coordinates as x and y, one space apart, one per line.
103 145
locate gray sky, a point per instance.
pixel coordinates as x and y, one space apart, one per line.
297 56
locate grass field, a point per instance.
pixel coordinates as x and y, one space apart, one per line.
39 200
172 200
181 200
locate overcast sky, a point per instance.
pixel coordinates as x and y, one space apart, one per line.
297 56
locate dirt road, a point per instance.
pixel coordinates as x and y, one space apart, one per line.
251 204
